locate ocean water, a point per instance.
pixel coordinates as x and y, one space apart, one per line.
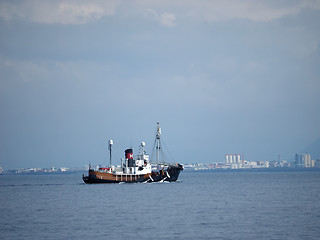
202 205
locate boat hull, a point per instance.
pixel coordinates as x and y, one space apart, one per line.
100 177
171 174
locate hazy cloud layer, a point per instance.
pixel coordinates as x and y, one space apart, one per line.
80 12
60 11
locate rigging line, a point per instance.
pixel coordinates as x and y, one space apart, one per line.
152 153
163 154
152 150
167 149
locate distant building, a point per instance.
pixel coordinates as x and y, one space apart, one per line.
233 158
317 163
303 160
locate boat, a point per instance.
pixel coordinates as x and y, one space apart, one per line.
135 169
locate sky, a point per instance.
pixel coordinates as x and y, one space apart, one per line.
221 77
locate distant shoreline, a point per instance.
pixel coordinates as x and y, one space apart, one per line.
45 173
289 169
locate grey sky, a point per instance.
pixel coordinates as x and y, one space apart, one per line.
220 76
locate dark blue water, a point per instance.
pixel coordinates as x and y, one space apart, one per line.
203 205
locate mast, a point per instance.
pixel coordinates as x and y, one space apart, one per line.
109 147
158 141
143 144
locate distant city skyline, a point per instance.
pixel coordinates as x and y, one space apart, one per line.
220 77
232 161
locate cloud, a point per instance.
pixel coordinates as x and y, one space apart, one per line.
61 11
166 19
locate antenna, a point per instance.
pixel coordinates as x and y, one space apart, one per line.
158 141
143 144
109 148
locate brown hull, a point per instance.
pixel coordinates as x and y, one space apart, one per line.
101 177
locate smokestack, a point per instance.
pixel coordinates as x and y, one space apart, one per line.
129 156
129 153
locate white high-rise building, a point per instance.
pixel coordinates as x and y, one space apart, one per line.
303 160
233 158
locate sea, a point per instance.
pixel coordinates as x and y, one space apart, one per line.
239 204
